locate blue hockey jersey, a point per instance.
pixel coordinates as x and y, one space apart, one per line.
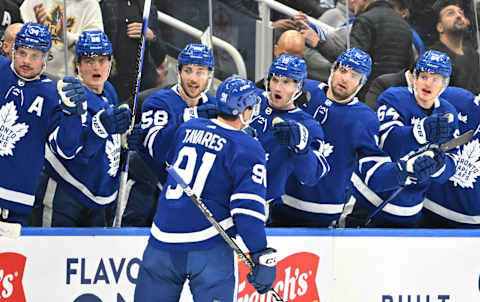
281 161
92 176
160 117
456 202
351 135
398 111
226 169
30 116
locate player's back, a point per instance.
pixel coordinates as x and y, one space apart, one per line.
217 161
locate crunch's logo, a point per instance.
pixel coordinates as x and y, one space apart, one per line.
12 266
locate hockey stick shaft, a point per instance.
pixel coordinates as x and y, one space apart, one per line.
122 191
65 40
206 212
447 146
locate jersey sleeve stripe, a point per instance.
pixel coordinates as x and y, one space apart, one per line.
247 196
248 212
449 214
52 139
191 236
150 138
376 159
372 170
383 138
17 197
313 207
323 161
384 126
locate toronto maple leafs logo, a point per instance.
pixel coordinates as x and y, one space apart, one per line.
112 149
10 132
53 23
325 149
467 165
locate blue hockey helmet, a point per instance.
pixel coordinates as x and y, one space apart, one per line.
93 43
436 62
34 35
357 60
289 66
197 54
235 94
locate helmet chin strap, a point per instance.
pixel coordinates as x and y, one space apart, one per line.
12 67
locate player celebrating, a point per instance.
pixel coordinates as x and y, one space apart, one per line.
75 192
162 113
32 114
455 203
183 245
410 120
291 137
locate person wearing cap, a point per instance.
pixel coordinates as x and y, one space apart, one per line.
411 119
76 192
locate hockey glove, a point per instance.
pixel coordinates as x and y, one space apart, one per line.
136 138
418 166
292 134
206 111
73 95
264 271
434 129
113 120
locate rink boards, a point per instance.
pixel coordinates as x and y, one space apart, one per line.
93 265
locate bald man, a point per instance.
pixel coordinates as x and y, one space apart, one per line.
10 34
290 42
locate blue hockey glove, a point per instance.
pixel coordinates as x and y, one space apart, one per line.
208 110
418 166
113 120
73 95
136 138
434 129
322 34
265 270
292 134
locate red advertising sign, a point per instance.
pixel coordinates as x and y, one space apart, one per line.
295 280
12 266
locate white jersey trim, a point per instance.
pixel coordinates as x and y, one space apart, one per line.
191 236
65 174
249 212
17 197
374 199
247 196
312 207
450 214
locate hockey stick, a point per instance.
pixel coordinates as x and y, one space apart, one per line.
447 146
65 42
10 230
122 191
215 224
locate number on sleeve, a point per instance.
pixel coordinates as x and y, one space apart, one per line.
259 174
159 118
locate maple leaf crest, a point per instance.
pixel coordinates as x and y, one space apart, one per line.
467 165
10 132
112 149
325 149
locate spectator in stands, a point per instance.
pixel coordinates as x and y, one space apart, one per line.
337 16
9 38
9 14
375 24
123 24
452 26
82 15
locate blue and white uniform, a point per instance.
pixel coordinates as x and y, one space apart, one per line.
30 116
282 162
351 135
455 203
398 113
225 168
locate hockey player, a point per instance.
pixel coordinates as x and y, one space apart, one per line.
291 137
411 119
162 113
455 203
183 245
33 114
75 192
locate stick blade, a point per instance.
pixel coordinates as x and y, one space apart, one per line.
458 141
10 230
